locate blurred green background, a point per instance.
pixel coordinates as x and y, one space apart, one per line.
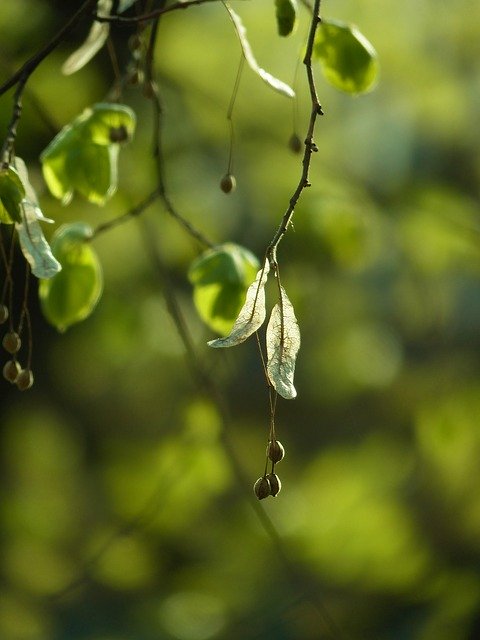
121 516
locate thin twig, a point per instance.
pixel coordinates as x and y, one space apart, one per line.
153 15
310 146
131 213
21 77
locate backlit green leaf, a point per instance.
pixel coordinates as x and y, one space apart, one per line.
96 38
83 156
283 343
273 82
348 59
220 278
12 193
252 314
72 294
286 14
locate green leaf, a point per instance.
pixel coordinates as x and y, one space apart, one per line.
286 14
72 294
348 60
283 343
109 123
220 278
33 244
252 314
12 192
273 82
96 38
83 156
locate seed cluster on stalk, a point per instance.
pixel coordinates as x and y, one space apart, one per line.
12 343
269 484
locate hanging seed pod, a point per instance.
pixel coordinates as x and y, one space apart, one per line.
295 144
275 451
11 342
262 488
24 380
11 370
228 183
275 484
3 313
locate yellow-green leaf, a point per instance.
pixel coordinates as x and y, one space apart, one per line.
349 61
220 278
12 192
72 294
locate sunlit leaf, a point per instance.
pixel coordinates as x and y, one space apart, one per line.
72 294
273 82
286 14
33 244
96 38
12 192
109 123
220 278
348 59
252 314
83 156
283 343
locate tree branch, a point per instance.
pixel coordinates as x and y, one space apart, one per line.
310 146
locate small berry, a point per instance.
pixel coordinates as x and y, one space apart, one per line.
24 380
3 313
295 143
11 342
228 183
275 451
11 370
262 488
275 484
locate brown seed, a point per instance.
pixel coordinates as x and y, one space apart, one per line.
228 183
11 370
295 143
11 342
24 380
3 313
275 484
262 488
275 451
118 134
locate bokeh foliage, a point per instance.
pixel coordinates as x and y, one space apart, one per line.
116 480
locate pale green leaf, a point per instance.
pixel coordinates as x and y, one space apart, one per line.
273 82
252 314
95 40
283 343
33 244
92 171
349 61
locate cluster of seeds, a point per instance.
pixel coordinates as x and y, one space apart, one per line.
269 484
12 343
